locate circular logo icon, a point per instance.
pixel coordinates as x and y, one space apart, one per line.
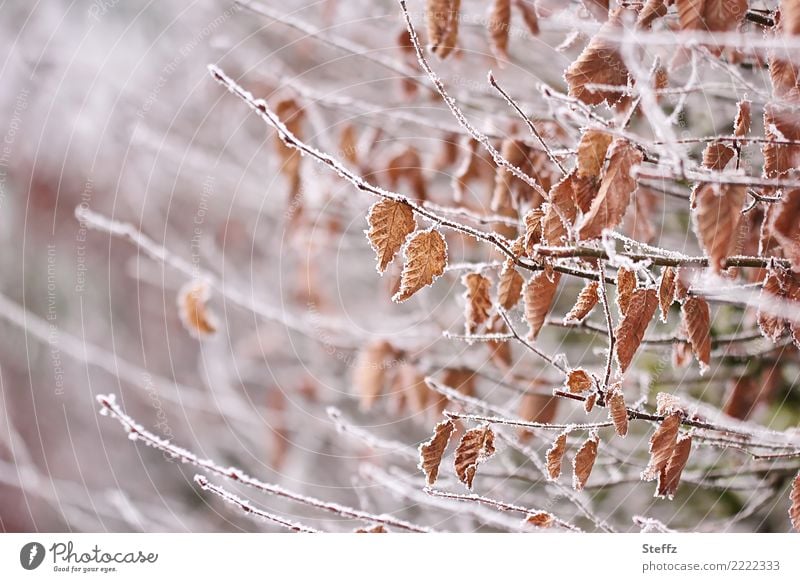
31 555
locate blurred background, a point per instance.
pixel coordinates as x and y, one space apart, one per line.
108 106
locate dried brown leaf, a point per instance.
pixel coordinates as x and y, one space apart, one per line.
476 446
509 287
540 291
442 17
599 64
540 519
583 462
195 315
617 410
516 153
372 529
630 331
478 301
533 228
741 127
578 381
537 408
670 476
742 398
528 11
717 155
499 25
390 223
652 10
592 152
369 371
716 220
772 326
499 351
425 260
587 299
794 500
626 285
662 445
616 187
666 291
696 318
785 226
560 212
554 456
588 404
432 451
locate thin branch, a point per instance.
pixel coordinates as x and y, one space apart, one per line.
609 324
138 432
500 505
549 359
528 424
249 508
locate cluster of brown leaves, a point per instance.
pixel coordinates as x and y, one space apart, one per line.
476 445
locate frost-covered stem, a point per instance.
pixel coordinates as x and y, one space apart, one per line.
527 424
292 141
601 288
459 115
472 497
528 122
547 358
368 438
668 259
138 432
250 509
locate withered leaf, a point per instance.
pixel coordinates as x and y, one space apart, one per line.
372 529
670 476
717 155
592 152
666 291
554 456
540 519
426 259
587 299
195 315
533 228
794 500
432 450
540 292
772 326
588 404
578 381
442 17
369 371
630 331
390 223
612 200
617 411
697 321
499 26
536 408
561 211
741 126
526 7
479 303
599 64
717 217
476 446
626 285
662 446
509 287
583 462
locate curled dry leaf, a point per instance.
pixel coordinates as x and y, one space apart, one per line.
499 26
370 370
528 11
390 223
775 289
666 291
696 317
578 381
626 285
540 292
599 64
741 126
630 331
432 450
561 211
617 185
670 476
533 228
554 456
717 217
425 260
195 315
662 445
476 446
509 287
587 299
479 303
794 503
540 519
583 462
617 411
592 152
373 529
442 17
588 404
